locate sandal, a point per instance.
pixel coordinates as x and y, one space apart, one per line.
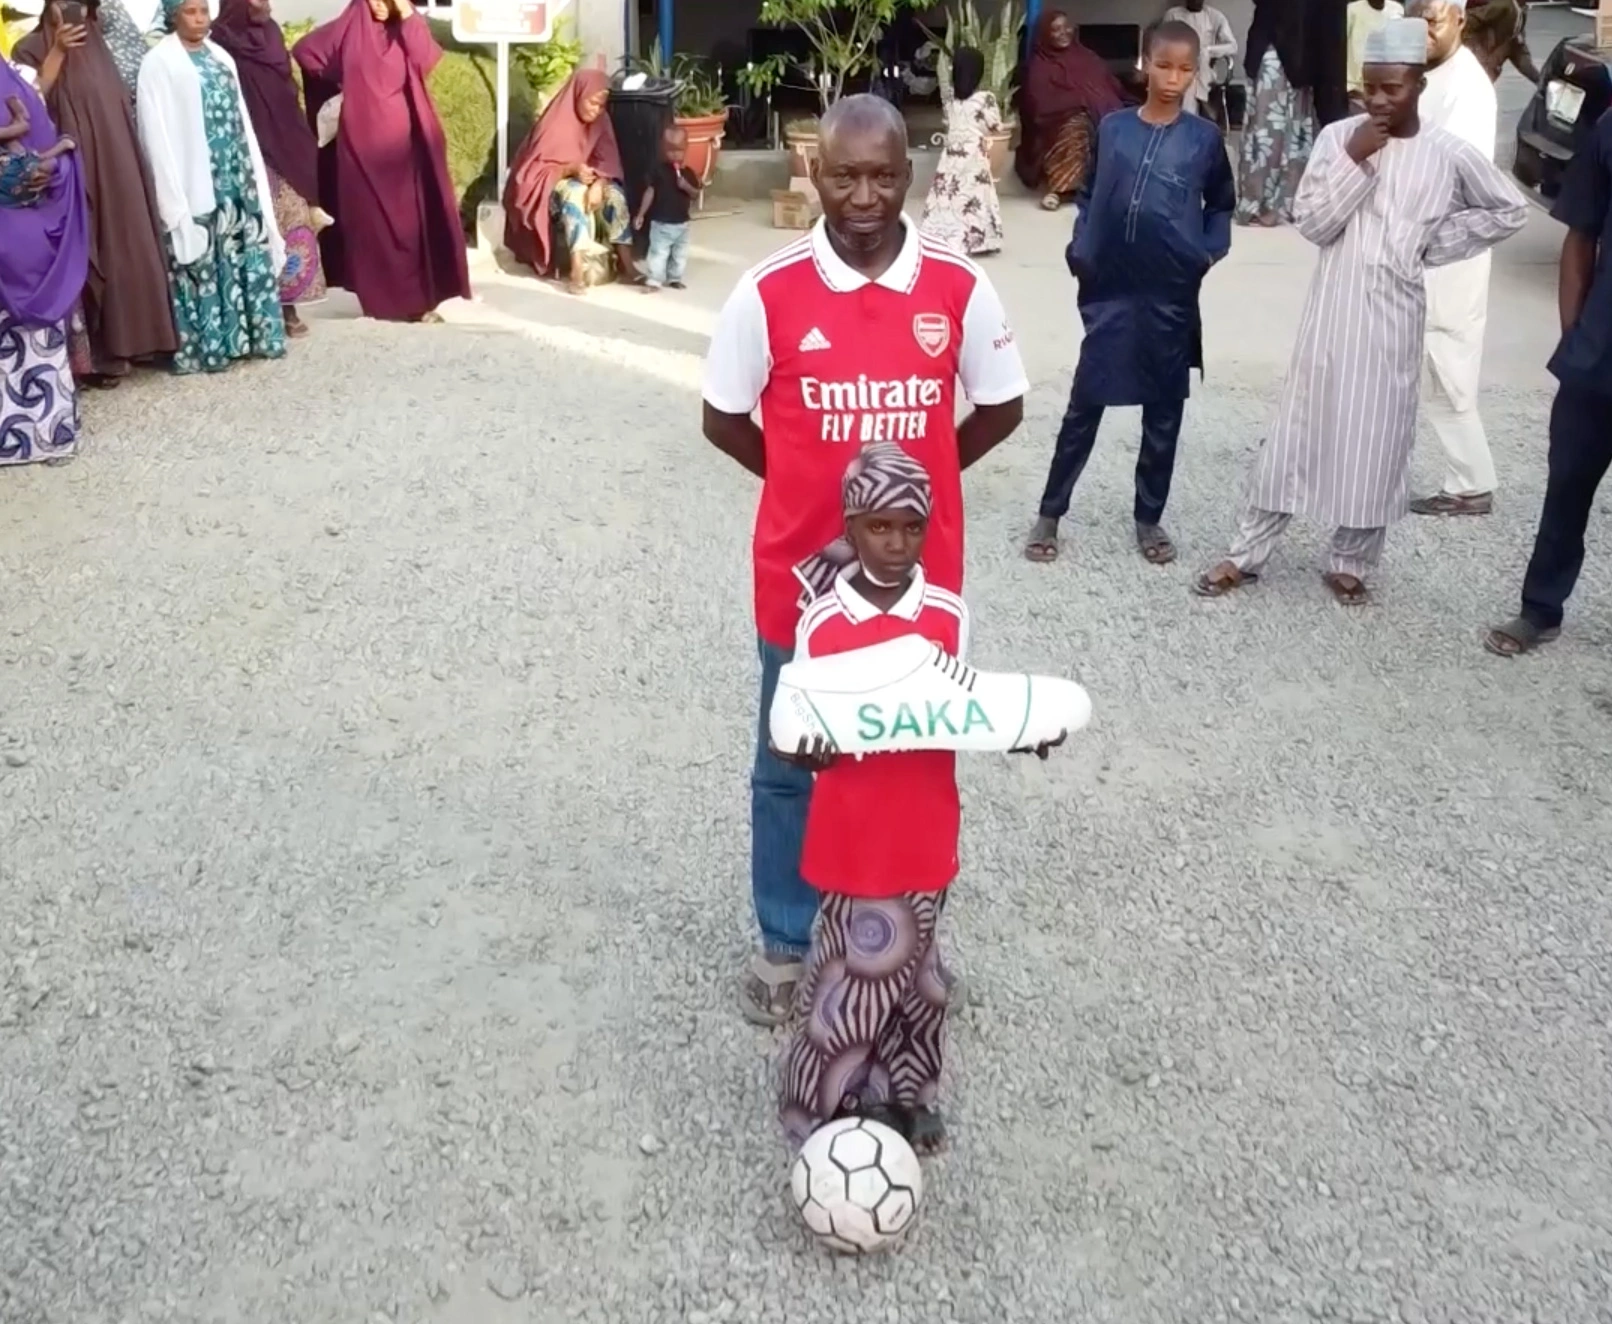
1155 544
1042 546
767 991
1347 590
1452 503
1517 637
1222 579
1051 202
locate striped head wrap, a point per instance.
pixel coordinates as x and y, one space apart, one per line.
881 477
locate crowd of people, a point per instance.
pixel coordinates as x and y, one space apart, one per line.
169 205
1394 197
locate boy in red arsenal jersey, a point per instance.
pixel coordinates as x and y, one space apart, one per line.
855 334
872 996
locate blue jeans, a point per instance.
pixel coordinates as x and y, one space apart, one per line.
668 253
786 905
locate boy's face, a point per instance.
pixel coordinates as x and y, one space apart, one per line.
674 146
1171 67
887 542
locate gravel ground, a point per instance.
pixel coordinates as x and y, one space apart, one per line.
373 764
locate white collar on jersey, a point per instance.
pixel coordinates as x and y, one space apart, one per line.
858 609
901 276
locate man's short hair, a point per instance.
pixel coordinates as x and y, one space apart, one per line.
862 112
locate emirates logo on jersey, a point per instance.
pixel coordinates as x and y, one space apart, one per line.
870 409
933 332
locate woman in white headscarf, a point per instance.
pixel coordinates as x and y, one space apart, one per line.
213 198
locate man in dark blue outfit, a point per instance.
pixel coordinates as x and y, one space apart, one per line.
1154 215
1581 417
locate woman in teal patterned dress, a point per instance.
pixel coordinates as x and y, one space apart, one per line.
225 251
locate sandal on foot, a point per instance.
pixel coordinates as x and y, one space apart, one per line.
1222 579
1347 590
1452 503
1154 544
767 991
1517 637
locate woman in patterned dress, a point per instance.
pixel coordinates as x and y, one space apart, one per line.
1281 124
247 30
962 209
44 259
213 198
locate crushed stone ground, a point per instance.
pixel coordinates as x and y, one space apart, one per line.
374 734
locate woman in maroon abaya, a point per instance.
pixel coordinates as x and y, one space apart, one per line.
569 170
397 242
1067 90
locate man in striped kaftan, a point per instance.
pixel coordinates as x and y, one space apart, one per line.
1384 196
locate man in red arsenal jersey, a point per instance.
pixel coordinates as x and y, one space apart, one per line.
856 333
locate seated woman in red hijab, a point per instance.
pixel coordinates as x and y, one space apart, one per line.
397 242
1067 89
569 169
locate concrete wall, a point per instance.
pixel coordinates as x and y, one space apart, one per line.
701 25
598 22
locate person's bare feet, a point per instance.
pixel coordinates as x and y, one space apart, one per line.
1154 544
1042 544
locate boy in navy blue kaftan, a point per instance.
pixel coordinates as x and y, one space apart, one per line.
1154 216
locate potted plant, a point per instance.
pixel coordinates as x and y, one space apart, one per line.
843 35
997 39
701 110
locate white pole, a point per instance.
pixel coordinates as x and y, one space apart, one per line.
501 110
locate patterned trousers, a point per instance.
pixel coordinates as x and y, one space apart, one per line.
872 1008
1353 551
569 202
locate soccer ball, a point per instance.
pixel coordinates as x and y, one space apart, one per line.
856 1185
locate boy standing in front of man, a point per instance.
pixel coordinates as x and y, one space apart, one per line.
665 205
1153 217
881 833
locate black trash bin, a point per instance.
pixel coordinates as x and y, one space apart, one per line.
640 118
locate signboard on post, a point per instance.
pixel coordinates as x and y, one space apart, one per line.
504 20
500 23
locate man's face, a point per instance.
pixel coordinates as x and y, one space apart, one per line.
1445 25
1171 67
1391 93
862 176
1195 6
887 542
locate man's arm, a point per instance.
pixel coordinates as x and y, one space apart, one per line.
1222 40
1520 56
992 374
1582 205
1574 277
737 365
737 437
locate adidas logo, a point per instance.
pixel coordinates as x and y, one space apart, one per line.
814 339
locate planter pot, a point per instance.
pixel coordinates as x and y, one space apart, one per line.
704 142
802 145
999 148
